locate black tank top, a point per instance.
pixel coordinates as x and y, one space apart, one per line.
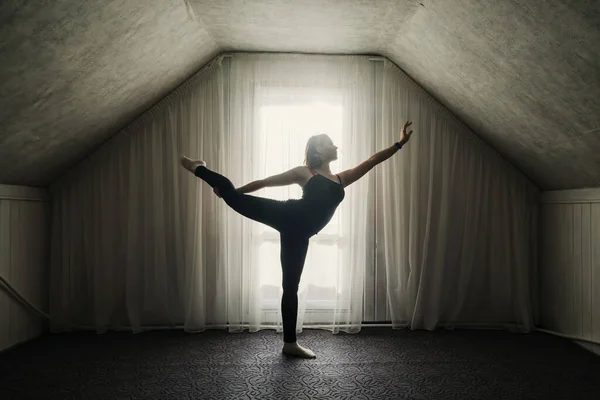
320 198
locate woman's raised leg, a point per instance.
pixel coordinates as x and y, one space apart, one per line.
267 211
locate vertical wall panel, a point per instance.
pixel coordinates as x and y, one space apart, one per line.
564 269
577 308
595 275
15 266
5 340
586 272
23 261
544 284
570 264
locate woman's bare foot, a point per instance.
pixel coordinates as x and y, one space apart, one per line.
190 164
294 349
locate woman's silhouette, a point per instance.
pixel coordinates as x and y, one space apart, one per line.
295 219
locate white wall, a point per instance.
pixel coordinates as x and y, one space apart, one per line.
24 228
570 264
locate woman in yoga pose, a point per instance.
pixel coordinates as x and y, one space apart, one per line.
296 219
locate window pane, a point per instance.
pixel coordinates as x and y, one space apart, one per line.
321 272
284 128
270 271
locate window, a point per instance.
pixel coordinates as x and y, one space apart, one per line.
285 123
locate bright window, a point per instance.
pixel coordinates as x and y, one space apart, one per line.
284 128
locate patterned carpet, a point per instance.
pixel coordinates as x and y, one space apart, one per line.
374 364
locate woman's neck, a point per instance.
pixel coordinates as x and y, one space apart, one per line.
324 169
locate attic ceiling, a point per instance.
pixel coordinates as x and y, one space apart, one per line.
523 75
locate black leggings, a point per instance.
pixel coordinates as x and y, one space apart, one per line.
294 246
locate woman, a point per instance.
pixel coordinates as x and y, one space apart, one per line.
296 219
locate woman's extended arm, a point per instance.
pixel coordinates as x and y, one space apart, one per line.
285 178
353 174
251 187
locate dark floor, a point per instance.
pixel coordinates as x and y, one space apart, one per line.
374 364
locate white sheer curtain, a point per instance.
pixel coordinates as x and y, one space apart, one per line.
277 103
139 242
460 249
134 236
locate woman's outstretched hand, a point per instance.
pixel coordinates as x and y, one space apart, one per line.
404 136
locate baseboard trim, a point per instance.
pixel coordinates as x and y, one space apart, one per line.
245 327
580 339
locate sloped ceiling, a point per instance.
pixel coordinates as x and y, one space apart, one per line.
74 72
524 75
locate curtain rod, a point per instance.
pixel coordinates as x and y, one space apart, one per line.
372 58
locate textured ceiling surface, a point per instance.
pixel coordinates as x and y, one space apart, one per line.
75 72
524 75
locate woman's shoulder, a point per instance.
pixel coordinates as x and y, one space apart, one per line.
305 171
